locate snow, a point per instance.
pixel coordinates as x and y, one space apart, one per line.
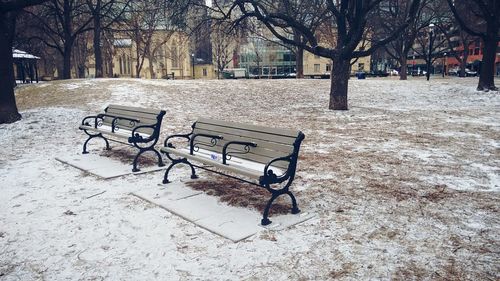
405 184
18 54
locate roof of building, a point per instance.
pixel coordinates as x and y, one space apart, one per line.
122 42
18 54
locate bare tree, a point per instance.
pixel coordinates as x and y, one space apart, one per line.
481 18
224 43
349 18
8 13
104 13
58 24
143 21
430 45
456 36
392 14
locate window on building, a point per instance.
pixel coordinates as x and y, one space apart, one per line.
204 72
361 66
316 67
120 61
174 57
128 66
328 67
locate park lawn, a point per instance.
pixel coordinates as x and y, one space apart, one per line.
405 184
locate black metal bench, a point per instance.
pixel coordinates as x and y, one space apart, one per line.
139 127
266 156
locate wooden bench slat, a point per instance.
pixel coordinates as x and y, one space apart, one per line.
257 154
248 127
280 149
145 118
245 134
246 171
134 109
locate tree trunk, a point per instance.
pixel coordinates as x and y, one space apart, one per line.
68 46
8 107
486 81
463 62
97 42
300 62
403 72
151 68
339 82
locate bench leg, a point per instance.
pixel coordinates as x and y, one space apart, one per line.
179 161
134 164
295 208
265 220
160 161
91 137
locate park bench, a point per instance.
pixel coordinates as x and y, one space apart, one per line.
134 126
262 156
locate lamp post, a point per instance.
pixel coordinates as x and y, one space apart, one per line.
444 64
429 58
413 66
192 60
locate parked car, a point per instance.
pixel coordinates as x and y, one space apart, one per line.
453 71
456 72
470 73
393 72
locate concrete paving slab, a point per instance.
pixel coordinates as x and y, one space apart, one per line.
103 167
206 211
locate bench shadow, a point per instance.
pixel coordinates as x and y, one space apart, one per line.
240 194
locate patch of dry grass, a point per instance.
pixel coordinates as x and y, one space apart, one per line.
240 194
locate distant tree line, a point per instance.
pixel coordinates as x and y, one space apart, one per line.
341 30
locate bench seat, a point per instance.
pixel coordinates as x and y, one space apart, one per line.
262 156
252 170
107 130
135 126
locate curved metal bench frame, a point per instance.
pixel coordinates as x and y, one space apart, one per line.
143 144
268 180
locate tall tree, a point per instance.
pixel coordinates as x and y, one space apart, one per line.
143 20
8 13
455 36
392 14
224 42
60 22
481 18
349 19
104 14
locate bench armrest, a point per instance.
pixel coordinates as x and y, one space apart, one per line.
168 144
96 118
270 177
118 118
213 141
136 137
246 146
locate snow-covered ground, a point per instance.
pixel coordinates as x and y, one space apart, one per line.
406 185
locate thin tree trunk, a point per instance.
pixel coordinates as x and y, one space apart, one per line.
68 47
403 72
151 69
97 42
300 62
486 81
463 62
339 82
8 107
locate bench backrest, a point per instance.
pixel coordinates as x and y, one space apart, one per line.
145 116
271 142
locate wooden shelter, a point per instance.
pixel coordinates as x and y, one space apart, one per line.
25 66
